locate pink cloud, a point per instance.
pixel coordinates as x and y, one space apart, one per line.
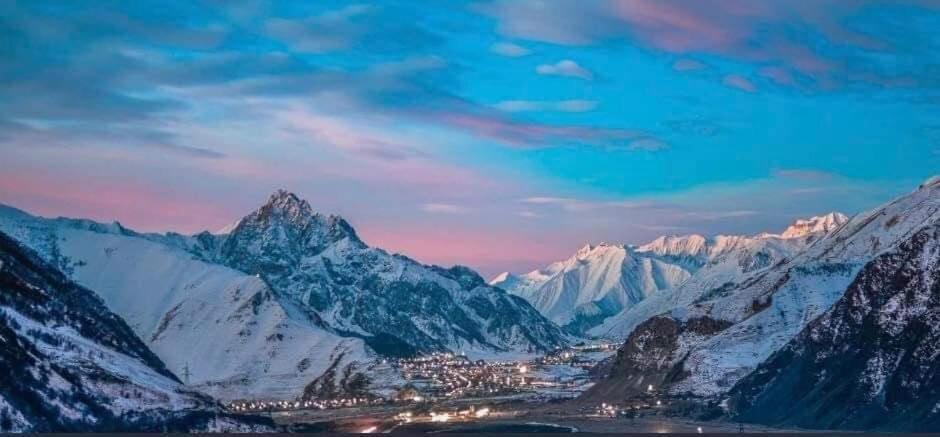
687 64
753 31
778 75
527 134
686 26
739 82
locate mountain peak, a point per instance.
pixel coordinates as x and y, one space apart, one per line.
282 231
824 223
676 245
286 201
595 248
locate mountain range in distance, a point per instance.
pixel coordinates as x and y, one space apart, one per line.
288 303
597 290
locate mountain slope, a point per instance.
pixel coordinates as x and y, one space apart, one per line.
394 303
288 294
233 334
598 281
871 362
760 313
720 263
608 289
69 364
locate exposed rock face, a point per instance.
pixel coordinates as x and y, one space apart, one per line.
652 356
70 364
235 336
765 309
871 362
398 306
261 311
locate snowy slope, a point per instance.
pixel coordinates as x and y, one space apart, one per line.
237 339
722 261
608 289
69 364
596 282
871 362
764 310
395 304
264 310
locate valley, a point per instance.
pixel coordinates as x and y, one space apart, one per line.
289 317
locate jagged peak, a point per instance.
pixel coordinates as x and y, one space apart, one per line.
284 200
285 209
675 245
589 249
816 224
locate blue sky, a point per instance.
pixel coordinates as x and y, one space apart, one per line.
498 134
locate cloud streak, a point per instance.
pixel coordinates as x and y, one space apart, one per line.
559 106
509 49
565 68
807 40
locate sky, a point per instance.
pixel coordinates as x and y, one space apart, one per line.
502 135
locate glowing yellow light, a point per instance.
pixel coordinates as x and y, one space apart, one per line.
368 430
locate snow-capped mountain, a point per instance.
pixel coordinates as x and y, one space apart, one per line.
605 289
264 311
598 281
815 225
395 304
710 343
70 364
870 362
235 337
722 262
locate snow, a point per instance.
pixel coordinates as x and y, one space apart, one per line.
127 373
601 279
626 285
818 224
799 291
238 336
209 322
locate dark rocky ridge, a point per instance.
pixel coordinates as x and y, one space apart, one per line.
871 362
651 355
44 388
397 305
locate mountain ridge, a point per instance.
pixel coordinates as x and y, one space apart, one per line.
70 364
297 286
758 314
590 284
